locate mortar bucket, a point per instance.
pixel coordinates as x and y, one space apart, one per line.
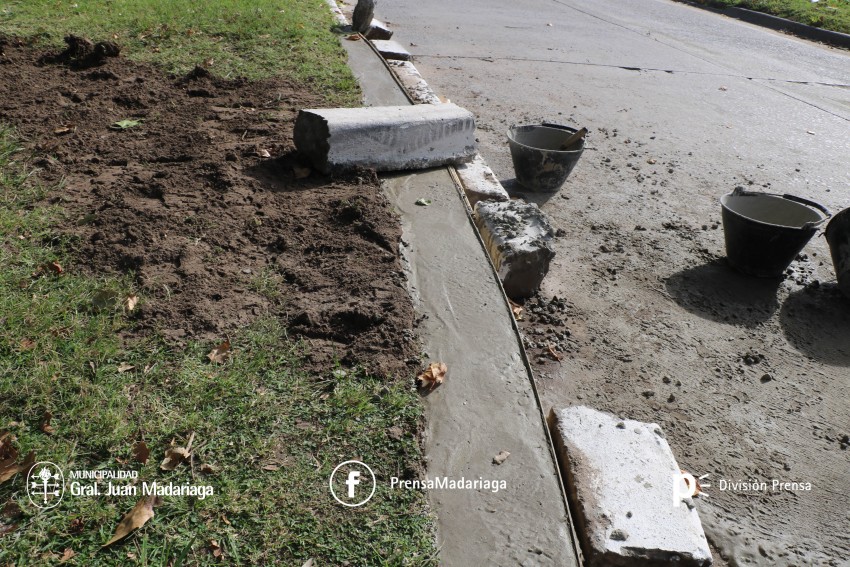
539 163
765 232
838 237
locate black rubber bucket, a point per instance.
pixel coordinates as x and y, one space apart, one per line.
838 237
765 232
539 163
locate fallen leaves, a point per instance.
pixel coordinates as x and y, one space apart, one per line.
554 354
67 555
433 375
353 37
221 353
174 457
66 129
130 302
215 548
125 367
516 309
141 453
501 457
9 466
44 425
135 518
264 153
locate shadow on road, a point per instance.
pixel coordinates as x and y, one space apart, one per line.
816 322
716 292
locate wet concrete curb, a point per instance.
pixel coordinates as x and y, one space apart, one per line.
833 38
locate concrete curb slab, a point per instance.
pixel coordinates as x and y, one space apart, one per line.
518 238
390 49
413 82
385 138
479 182
378 30
620 477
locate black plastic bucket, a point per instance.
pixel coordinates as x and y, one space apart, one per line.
539 163
838 237
765 232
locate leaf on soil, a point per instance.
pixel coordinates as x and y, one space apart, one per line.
104 299
501 457
130 302
220 354
264 153
67 555
135 519
207 468
554 354
65 129
124 367
45 423
423 202
126 123
8 467
215 548
271 467
433 376
141 453
516 309
54 268
173 457
301 172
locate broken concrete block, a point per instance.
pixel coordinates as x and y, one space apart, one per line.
518 238
479 182
361 20
390 49
620 477
386 138
378 30
413 82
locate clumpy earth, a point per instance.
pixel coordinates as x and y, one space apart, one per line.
199 194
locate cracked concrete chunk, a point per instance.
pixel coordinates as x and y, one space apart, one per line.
385 138
518 238
480 183
378 30
620 481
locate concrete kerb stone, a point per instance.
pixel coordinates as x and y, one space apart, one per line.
413 82
386 138
518 238
378 30
337 13
479 182
620 476
390 49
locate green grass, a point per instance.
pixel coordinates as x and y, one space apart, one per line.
828 14
60 353
249 38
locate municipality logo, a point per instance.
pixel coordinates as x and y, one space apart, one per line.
45 485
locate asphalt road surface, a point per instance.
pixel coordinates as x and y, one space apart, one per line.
750 379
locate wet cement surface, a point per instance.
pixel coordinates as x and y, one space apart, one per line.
486 404
747 377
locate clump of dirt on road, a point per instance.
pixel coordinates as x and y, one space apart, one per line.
192 185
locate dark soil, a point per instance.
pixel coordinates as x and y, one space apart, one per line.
214 233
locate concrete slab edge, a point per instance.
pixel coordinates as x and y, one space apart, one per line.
833 38
337 13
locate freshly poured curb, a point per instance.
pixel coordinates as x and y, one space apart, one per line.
776 23
488 403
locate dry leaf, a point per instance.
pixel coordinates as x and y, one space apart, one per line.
55 268
501 457
220 353
215 548
130 302
554 354
433 376
135 519
65 129
271 467
8 467
308 563
27 344
264 153
141 453
353 37
124 367
516 309
76 526
301 172
67 555
45 423
173 457
207 468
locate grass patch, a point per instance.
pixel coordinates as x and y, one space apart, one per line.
828 14
271 432
248 38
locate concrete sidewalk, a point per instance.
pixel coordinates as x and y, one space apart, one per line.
487 403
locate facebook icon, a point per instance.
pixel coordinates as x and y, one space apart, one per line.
357 477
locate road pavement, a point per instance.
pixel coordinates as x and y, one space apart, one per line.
748 378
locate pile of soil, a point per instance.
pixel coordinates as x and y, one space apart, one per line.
205 203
